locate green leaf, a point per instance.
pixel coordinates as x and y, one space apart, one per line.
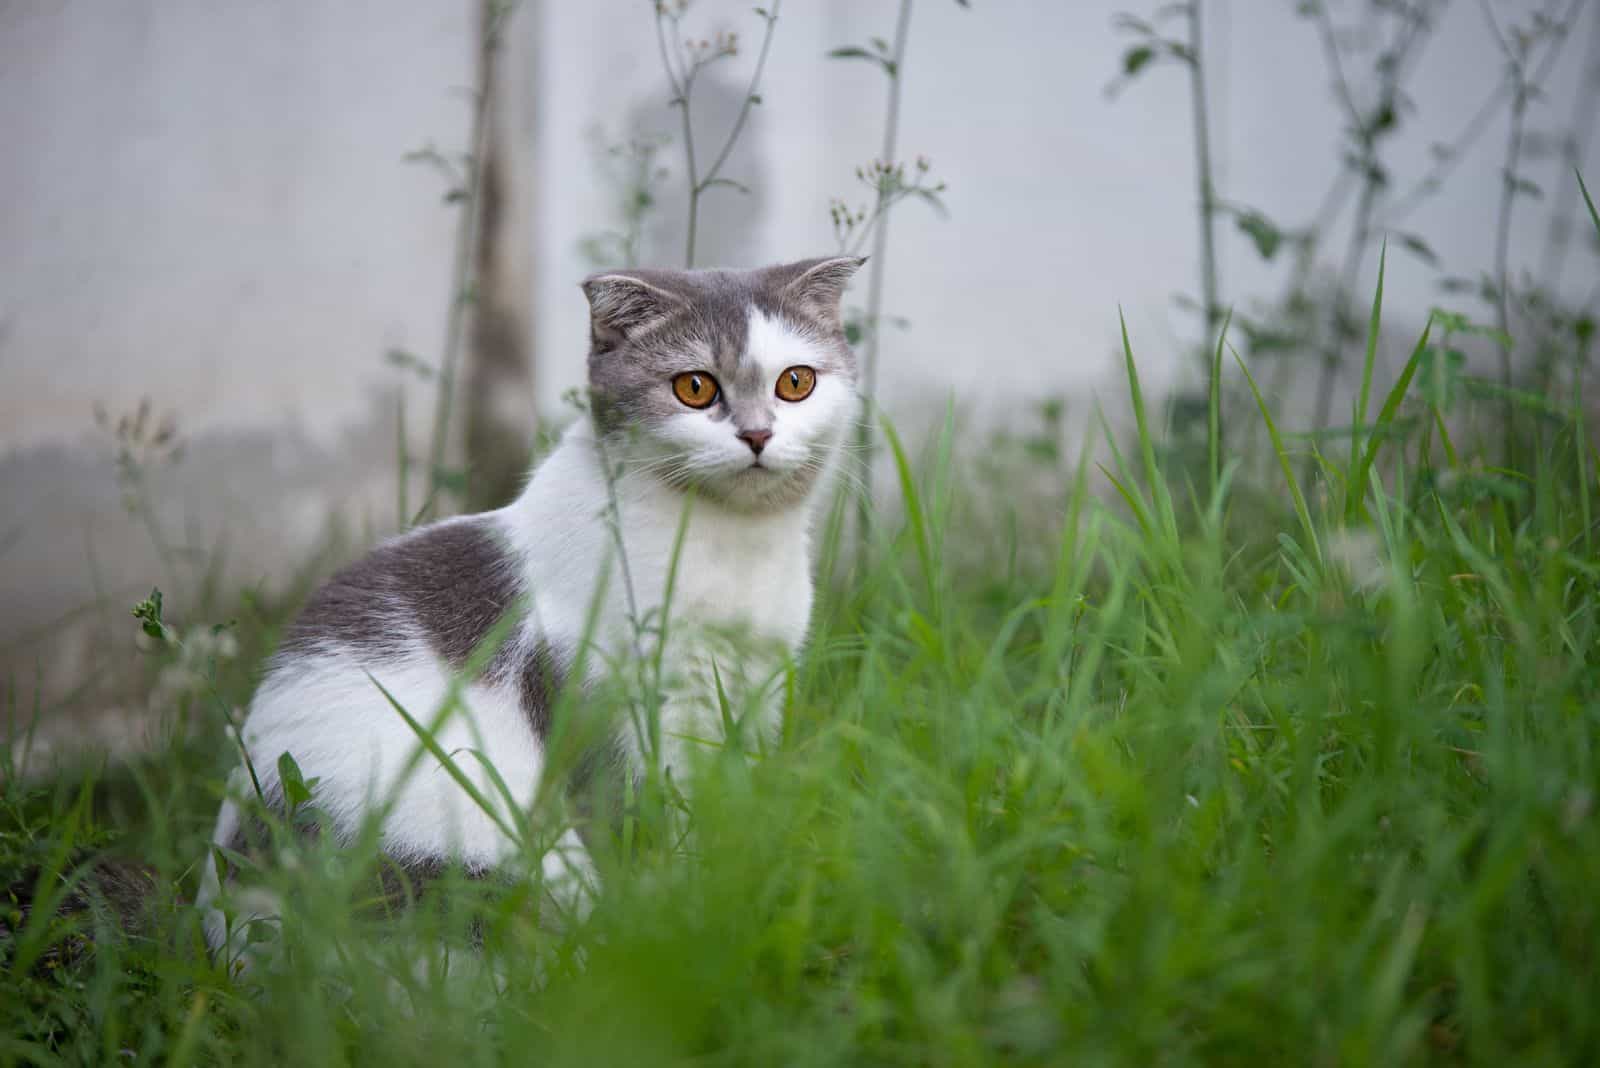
259 931
852 52
1136 59
1456 323
148 612
932 198
1525 187
1261 230
295 790
1418 247
410 361
219 861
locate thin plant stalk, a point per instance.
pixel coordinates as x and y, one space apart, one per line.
1502 250
1210 283
875 274
682 83
1457 148
1575 149
402 461
1508 204
1209 279
1524 88
1349 272
1368 128
465 253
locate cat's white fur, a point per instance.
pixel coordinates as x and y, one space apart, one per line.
737 569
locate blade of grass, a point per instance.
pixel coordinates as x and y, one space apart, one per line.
44 925
1386 415
1594 216
495 779
431 744
914 511
1122 479
1214 412
1300 509
1580 430
658 656
1445 440
1356 487
189 1037
1129 497
1147 450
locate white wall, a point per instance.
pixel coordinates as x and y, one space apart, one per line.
1063 204
204 203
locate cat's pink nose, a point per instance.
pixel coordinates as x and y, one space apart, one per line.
756 439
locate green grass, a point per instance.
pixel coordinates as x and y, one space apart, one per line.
1268 773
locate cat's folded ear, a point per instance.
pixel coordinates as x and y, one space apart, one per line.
819 284
621 305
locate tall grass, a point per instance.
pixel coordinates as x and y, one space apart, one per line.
1251 773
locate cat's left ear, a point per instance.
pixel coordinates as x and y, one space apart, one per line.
820 284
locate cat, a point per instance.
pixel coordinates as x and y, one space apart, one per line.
719 405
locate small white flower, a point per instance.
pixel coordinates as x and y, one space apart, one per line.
1359 554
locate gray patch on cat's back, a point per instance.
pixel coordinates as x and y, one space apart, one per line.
448 583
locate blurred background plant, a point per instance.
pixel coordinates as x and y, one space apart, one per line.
1311 331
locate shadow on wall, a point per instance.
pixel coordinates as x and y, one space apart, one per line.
111 517
733 212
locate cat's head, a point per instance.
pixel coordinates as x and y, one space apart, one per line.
739 385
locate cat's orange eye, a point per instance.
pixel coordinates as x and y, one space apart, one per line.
796 383
695 388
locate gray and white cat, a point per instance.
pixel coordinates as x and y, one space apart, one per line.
734 387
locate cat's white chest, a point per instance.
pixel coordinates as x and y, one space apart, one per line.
603 561
733 574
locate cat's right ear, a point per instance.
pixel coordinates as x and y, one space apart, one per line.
621 306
